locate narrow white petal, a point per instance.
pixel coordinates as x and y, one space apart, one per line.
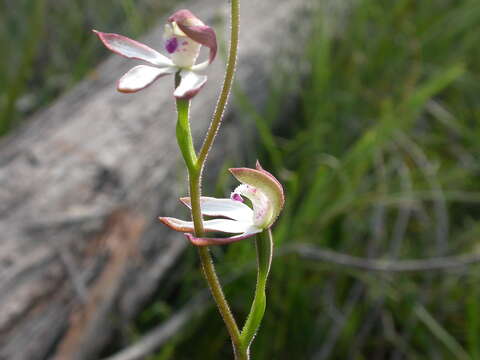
190 84
227 226
200 67
141 76
222 241
220 225
223 207
177 224
132 49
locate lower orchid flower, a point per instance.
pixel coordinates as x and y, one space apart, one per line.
184 36
233 216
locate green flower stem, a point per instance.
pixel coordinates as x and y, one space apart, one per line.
222 304
184 133
195 168
209 272
264 245
185 142
227 83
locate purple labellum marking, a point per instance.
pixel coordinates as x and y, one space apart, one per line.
236 197
171 45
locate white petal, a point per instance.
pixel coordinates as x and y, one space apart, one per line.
141 76
227 226
222 241
177 224
200 67
223 207
221 225
190 84
132 49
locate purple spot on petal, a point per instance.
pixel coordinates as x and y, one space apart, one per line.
171 45
236 197
185 43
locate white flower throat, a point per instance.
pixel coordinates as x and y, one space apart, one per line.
261 205
183 50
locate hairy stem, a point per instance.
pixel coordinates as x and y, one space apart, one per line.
185 143
195 175
208 267
227 84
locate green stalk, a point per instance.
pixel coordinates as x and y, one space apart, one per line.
227 83
208 269
185 142
195 168
264 246
184 133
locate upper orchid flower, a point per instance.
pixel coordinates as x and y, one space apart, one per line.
184 35
233 216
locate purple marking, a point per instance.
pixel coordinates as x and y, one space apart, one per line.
236 197
185 43
171 45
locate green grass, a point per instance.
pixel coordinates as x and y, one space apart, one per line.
378 151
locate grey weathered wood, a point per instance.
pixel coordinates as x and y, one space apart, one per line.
83 182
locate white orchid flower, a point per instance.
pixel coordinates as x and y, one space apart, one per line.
184 36
233 216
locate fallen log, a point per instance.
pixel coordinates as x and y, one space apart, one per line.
83 182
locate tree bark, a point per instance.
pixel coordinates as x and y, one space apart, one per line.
83 182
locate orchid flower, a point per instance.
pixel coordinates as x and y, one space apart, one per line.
184 35
233 216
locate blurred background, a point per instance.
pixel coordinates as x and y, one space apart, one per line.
375 136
